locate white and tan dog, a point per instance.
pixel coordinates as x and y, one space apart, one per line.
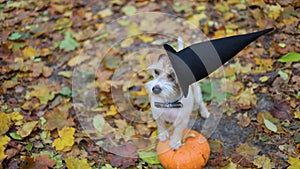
167 101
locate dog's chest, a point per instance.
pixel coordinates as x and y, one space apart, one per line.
170 115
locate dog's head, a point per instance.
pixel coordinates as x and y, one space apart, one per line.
164 83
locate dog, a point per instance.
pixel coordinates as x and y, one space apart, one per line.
167 101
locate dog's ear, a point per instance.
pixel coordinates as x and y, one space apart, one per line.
161 56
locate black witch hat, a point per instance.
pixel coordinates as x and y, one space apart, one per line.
197 61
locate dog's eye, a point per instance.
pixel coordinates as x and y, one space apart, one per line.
156 72
171 77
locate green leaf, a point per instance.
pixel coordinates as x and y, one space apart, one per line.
112 62
108 166
129 10
15 136
297 139
271 126
29 146
263 139
66 91
15 36
98 122
149 156
68 43
290 57
283 75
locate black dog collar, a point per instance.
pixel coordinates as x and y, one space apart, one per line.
175 104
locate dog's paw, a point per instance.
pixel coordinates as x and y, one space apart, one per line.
175 143
163 136
205 113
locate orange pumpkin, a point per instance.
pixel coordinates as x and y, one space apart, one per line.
193 154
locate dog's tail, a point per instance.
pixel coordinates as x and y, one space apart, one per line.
180 43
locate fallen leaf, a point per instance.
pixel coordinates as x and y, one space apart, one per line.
149 157
68 43
112 62
66 74
290 57
264 78
99 122
127 42
247 150
59 118
283 75
244 120
3 141
15 136
27 128
271 126
247 98
294 163
232 87
230 165
4 123
39 162
65 140
29 52
263 162
129 10
41 91
76 163
274 11
105 12
145 38
8 84
216 145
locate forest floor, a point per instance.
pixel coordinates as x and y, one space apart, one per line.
72 77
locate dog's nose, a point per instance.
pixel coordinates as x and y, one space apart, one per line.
156 89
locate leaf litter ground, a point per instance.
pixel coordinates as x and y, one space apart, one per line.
43 42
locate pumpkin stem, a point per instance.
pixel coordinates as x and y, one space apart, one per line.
187 136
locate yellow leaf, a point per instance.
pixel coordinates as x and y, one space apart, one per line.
230 165
16 116
133 29
4 122
264 78
127 42
77 60
294 163
112 111
42 92
105 13
9 84
65 140
297 115
3 141
247 98
195 20
274 11
263 162
29 52
75 163
27 128
264 65
146 39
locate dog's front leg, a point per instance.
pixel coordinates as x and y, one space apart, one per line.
179 126
163 133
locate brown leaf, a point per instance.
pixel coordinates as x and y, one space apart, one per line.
247 150
59 118
39 162
280 110
244 120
